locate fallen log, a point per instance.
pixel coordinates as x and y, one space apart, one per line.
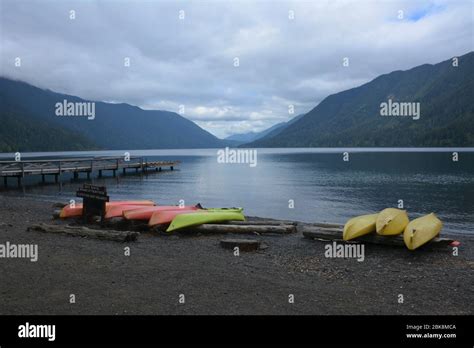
81 231
325 225
242 244
334 234
261 222
245 229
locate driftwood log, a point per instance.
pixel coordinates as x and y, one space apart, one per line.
335 234
245 229
261 222
81 231
325 225
242 244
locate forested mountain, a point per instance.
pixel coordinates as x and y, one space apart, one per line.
29 123
352 118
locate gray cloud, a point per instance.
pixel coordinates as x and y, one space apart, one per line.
190 62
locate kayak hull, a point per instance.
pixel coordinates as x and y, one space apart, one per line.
391 221
76 210
359 226
117 210
147 212
421 230
166 217
199 218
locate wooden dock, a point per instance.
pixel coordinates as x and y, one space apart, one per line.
76 166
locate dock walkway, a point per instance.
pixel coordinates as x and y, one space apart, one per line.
88 165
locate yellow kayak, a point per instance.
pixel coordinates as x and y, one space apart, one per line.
421 231
359 226
391 222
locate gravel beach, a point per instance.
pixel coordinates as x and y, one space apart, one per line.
214 281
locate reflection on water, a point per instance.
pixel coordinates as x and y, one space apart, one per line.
322 185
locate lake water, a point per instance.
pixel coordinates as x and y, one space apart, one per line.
321 184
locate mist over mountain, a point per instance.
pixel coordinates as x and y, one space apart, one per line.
243 138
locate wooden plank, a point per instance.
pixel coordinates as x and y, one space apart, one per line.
261 222
244 229
336 235
325 225
81 231
242 244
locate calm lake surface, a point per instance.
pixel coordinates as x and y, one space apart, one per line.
322 185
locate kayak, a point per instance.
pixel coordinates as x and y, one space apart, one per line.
166 217
421 231
117 210
76 210
199 218
391 222
359 226
147 212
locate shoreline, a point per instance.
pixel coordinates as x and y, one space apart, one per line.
214 281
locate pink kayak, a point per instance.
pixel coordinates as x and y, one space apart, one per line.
117 210
147 212
166 216
76 210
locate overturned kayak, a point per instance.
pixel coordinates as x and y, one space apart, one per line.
117 210
420 231
391 221
166 217
147 212
76 209
204 217
359 226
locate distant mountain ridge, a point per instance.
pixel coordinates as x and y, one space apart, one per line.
352 118
252 136
28 113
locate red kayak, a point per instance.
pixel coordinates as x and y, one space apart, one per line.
166 216
147 212
76 210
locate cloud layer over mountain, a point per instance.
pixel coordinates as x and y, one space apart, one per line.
289 52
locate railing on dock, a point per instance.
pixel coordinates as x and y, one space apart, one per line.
88 165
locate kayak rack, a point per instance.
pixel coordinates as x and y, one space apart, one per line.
76 166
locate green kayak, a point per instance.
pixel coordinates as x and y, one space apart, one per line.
205 217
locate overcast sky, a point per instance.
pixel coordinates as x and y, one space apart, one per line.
282 61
